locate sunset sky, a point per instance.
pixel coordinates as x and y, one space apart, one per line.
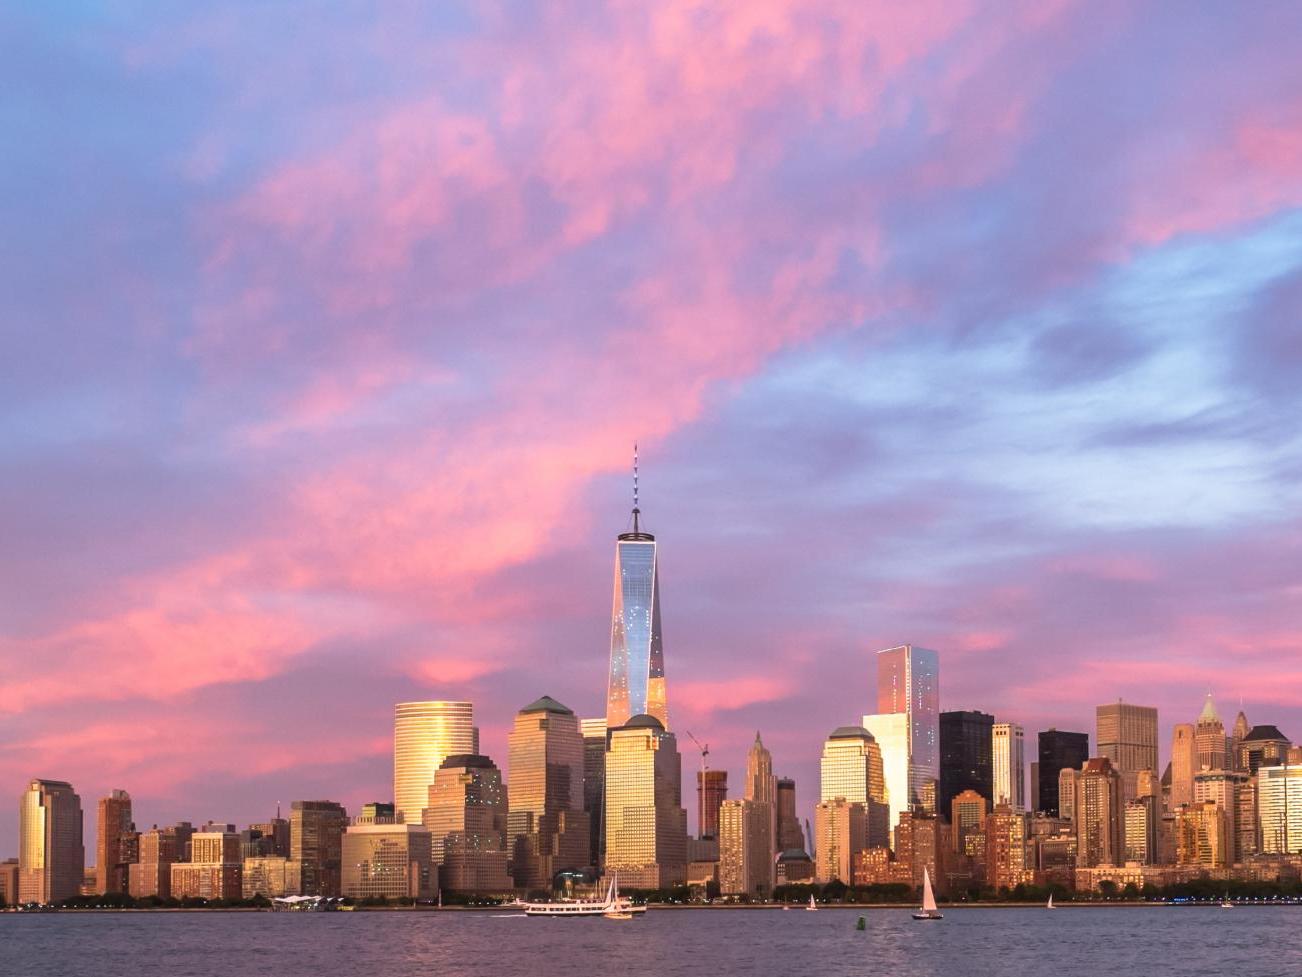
327 334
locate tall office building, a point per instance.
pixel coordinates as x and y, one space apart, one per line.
1202 835
761 785
790 837
1264 746
636 684
906 726
113 824
646 826
746 847
1140 831
966 760
546 823
1211 746
51 858
711 792
1224 789
1100 817
316 830
1127 735
424 735
1279 809
967 818
1184 764
1058 749
851 768
840 832
1240 733
384 859
467 816
594 783
1008 760
215 868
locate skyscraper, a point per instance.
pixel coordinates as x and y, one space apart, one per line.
906 725
1127 735
761 790
1211 746
51 857
1223 788
636 684
466 816
424 734
546 823
1009 765
1241 730
215 869
646 826
1100 819
1264 746
1184 764
711 792
594 783
851 768
1058 749
966 762
387 859
1008 861
789 834
841 830
316 830
746 847
1202 835
113 823
1279 809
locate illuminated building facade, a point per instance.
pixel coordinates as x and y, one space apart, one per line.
424 735
906 726
316 830
646 826
51 856
391 861
466 817
1008 759
851 769
113 828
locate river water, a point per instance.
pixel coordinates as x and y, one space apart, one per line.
1089 942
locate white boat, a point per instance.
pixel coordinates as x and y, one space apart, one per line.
928 910
1225 903
612 905
811 908
1049 904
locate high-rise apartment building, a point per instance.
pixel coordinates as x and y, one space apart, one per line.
316 830
424 735
546 824
1184 764
746 847
1211 747
852 769
1009 856
1140 831
790 837
1100 820
906 726
384 859
1008 761
159 848
594 783
921 841
467 816
1202 835
1067 781
840 832
966 756
967 818
1223 788
636 684
1127 735
711 792
51 856
1058 750
646 826
215 868
113 827
1279 809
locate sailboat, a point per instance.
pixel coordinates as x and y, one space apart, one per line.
928 910
811 908
1225 903
1049 904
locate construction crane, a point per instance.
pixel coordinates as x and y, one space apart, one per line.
700 790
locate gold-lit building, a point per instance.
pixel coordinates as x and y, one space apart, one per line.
1127 736
1184 764
316 830
1263 746
1224 788
1211 746
270 876
1279 809
879 866
51 856
424 735
921 841
215 868
1008 763
711 792
851 768
646 826
9 882
745 847
840 830
390 860
1202 835
967 817
151 874
547 826
1100 823
466 816
1009 860
112 828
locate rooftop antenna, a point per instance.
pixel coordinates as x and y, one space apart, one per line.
636 510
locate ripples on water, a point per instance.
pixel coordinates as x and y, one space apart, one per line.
1190 942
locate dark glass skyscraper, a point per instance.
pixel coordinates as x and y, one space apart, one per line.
966 757
637 663
1059 750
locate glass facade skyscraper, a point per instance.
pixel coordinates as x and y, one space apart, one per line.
966 756
637 663
424 734
1058 749
907 725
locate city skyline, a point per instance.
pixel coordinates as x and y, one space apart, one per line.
972 326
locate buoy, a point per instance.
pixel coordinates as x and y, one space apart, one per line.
862 924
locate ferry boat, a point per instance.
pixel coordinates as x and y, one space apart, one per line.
612 906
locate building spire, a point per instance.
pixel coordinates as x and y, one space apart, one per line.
636 510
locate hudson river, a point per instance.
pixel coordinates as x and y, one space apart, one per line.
1143 942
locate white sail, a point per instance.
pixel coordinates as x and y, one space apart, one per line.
1050 905
928 897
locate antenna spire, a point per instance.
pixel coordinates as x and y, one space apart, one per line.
636 510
